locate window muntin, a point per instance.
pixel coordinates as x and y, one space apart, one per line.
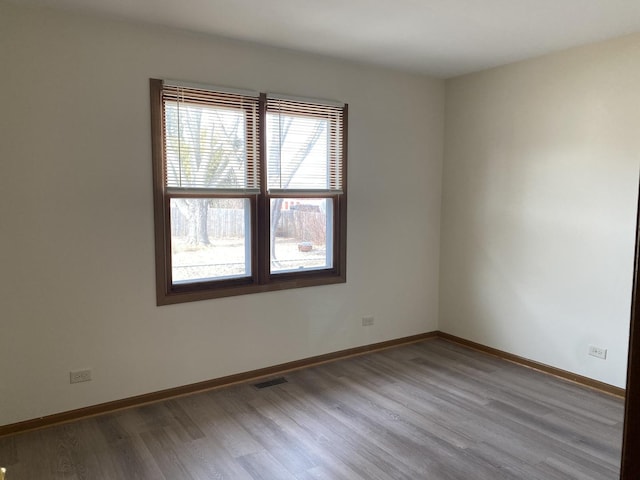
217 218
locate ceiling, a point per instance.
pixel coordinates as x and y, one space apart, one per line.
443 38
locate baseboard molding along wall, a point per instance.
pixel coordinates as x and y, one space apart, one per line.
253 375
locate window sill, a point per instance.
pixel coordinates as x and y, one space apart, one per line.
193 295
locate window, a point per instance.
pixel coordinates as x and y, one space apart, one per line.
249 191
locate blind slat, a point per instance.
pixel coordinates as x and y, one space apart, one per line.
304 145
210 139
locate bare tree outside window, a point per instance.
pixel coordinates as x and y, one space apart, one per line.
205 149
300 144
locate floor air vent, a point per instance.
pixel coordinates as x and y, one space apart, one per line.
270 383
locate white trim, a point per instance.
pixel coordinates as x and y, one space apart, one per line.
291 192
210 88
213 191
317 101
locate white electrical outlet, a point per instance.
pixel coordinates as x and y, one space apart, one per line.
78 376
367 321
598 352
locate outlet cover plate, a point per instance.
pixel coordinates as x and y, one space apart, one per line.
368 321
78 376
598 352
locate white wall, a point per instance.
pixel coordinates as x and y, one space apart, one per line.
539 200
76 232
539 196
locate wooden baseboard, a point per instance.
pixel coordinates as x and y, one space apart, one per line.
252 375
556 372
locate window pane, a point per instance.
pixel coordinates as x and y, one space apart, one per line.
301 234
205 146
298 154
210 239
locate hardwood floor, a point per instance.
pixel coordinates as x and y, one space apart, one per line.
432 410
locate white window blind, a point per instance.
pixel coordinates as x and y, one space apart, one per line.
210 140
304 146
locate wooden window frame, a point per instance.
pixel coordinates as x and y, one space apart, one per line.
261 279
